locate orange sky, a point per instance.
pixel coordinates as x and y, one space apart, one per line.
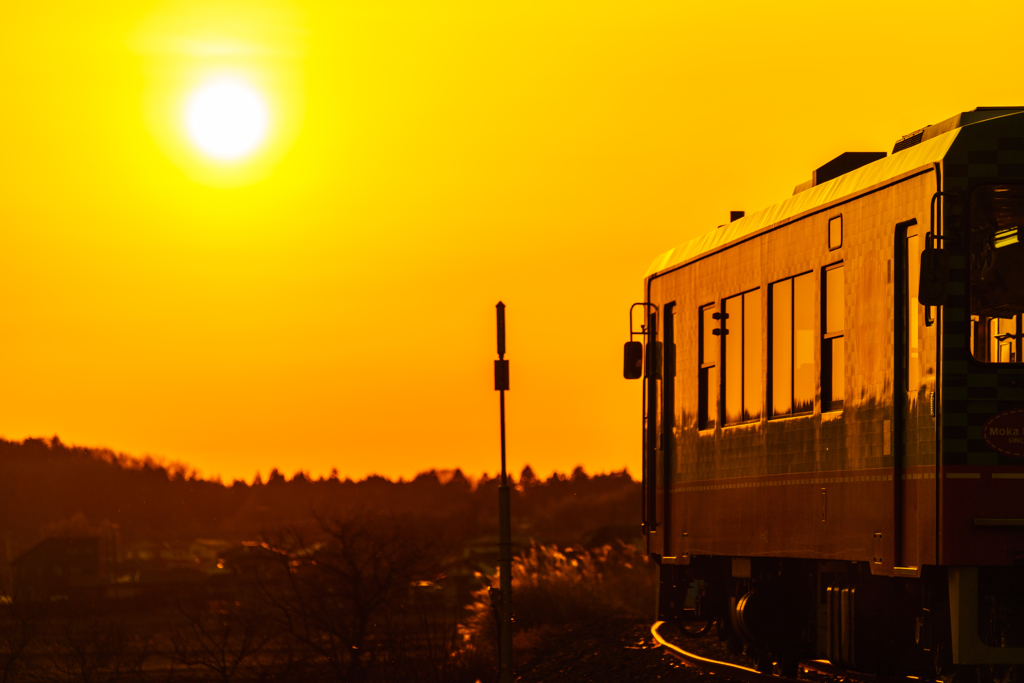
329 302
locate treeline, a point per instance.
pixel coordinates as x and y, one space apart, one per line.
48 488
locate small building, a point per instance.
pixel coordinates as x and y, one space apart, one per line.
58 569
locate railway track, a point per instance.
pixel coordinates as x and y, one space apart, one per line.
746 674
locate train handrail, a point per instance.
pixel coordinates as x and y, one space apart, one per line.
933 239
646 330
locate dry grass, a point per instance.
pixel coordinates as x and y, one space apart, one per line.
554 588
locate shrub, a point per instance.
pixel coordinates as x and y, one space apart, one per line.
554 587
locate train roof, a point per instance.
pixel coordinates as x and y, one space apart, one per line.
922 153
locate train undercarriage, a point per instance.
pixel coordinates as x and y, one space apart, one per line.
960 623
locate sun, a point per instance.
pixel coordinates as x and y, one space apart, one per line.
226 118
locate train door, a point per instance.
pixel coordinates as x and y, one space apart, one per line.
667 445
909 377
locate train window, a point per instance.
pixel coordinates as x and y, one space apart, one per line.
997 280
781 336
832 344
804 384
707 374
997 340
913 310
742 367
792 345
835 232
1005 340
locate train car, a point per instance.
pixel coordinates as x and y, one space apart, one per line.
834 412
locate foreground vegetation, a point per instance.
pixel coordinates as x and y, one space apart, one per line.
325 580
363 600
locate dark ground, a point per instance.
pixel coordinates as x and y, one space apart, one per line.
615 651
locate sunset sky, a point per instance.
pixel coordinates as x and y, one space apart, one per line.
328 301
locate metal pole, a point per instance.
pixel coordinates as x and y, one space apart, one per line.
501 383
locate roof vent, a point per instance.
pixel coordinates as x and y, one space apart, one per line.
966 118
736 215
842 164
909 140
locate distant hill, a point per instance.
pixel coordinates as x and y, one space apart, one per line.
48 488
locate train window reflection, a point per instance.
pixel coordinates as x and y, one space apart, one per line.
742 367
782 347
835 377
707 378
832 344
733 307
752 375
803 344
913 311
834 302
792 351
997 280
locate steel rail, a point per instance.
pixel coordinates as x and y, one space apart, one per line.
746 674
733 671
826 667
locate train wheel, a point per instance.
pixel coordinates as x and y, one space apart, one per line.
695 629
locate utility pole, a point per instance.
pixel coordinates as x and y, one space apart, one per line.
501 384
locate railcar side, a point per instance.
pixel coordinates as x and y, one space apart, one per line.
817 441
824 470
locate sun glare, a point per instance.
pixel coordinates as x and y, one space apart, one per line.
226 119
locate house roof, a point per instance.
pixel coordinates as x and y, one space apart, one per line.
48 547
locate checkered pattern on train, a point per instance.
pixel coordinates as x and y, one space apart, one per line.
973 393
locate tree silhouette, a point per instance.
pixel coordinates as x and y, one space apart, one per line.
230 641
84 648
17 631
334 595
